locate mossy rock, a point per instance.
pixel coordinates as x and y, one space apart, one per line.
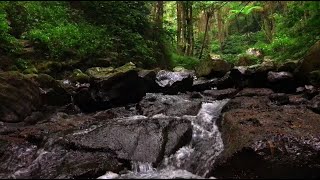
19 96
212 67
179 69
105 73
289 65
311 61
246 60
78 76
31 70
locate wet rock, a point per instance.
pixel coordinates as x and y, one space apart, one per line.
255 92
297 99
19 96
24 160
212 68
279 98
170 105
282 81
202 84
220 94
274 141
315 104
140 139
174 82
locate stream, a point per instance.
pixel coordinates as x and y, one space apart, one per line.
181 164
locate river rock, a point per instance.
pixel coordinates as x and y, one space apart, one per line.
311 61
212 68
281 81
115 88
52 91
274 141
174 82
170 105
19 96
140 139
220 94
315 104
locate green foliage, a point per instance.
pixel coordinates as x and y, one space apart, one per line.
82 40
184 61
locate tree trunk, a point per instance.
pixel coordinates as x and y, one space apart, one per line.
159 15
205 34
220 28
179 26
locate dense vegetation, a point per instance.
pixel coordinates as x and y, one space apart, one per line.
154 34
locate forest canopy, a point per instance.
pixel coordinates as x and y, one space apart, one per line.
155 33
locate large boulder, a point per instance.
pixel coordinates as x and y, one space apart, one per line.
53 92
174 82
19 96
139 139
275 141
116 87
212 68
311 61
282 81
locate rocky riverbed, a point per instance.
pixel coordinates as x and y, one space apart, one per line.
251 122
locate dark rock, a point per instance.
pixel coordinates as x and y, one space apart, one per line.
19 96
314 78
169 105
52 91
115 88
297 99
202 84
255 92
279 98
174 82
289 66
314 104
282 81
149 79
142 139
274 141
221 94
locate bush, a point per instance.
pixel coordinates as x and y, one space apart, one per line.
184 61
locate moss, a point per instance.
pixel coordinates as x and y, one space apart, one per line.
78 76
31 70
100 72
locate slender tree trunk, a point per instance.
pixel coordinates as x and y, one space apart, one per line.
183 27
179 26
159 15
205 34
220 28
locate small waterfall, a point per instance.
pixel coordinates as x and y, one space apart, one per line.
140 167
191 161
206 144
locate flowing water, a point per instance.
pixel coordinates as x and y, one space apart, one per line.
191 161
